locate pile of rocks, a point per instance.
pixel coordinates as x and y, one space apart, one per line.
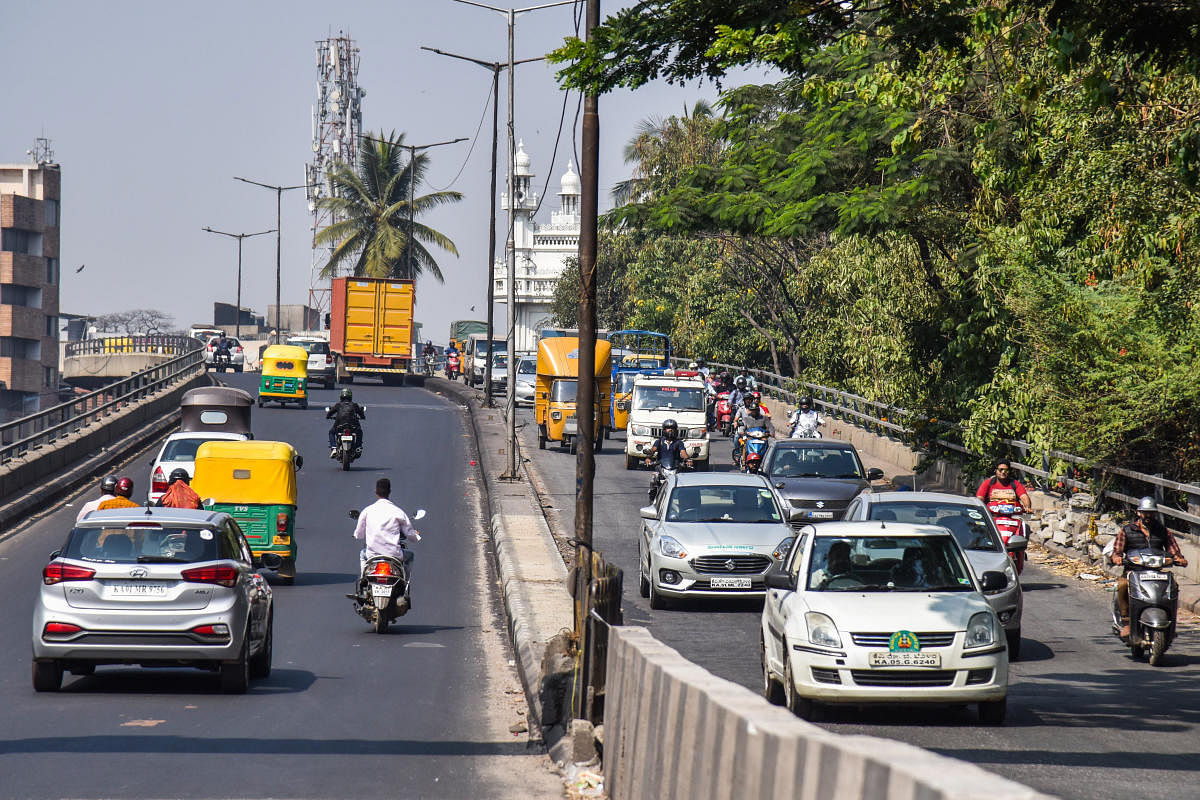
1070 527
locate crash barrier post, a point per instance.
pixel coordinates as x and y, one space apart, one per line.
672 729
33 432
1107 482
603 612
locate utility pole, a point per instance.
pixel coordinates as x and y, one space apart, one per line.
585 464
279 190
495 67
239 236
510 400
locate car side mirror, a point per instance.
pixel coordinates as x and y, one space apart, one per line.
55 554
874 474
208 502
777 579
993 581
1016 544
354 512
299 461
649 512
780 485
268 560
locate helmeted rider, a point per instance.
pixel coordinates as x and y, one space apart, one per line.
429 349
345 414
1147 530
384 529
222 346
667 450
123 492
738 393
805 420
179 494
108 488
750 416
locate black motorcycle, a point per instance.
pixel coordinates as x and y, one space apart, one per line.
222 359
348 444
1153 604
382 592
664 467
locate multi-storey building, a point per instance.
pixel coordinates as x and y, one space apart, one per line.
29 280
541 250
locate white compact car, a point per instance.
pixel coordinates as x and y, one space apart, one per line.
179 450
882 612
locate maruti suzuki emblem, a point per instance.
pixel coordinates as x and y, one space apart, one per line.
730 565
820 504
138 572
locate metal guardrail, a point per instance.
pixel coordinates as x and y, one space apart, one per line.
888 420
162 344
35 431
603 609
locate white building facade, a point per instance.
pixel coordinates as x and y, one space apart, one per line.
541 250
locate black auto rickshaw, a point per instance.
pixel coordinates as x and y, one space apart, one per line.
222 409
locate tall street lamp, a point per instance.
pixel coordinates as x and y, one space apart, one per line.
510 405
412 186
495 67
279 190
239 236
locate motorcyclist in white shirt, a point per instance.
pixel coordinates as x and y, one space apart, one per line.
108 490
805 420
384 528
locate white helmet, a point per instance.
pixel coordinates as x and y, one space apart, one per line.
1148 505
692 365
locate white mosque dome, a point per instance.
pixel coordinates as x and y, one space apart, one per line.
570 180
522 160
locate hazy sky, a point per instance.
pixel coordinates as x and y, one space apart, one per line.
152 107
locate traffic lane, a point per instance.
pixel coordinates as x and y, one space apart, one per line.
424 710
1059 739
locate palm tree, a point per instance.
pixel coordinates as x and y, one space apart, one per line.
371 205
661 149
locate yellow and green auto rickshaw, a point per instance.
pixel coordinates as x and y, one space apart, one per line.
255 483
284 375
555 390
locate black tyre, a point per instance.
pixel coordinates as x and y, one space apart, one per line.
993 712
381 621
238 368
599 444
802 707
644 581
657 601
631 462
347 457
47 676
574 446
607 430
304 405
235 677
1158 647
771 688
260 664
1014 645
287 572
541 437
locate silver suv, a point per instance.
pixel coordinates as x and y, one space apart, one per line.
155 587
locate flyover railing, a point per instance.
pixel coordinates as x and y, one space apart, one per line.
164 344
32 432
1102 480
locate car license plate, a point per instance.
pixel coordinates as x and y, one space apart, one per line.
380 590
906 660
820 515
138 589
731 583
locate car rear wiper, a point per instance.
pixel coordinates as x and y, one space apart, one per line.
157 559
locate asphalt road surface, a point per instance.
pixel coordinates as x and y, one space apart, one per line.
1084 719
424 711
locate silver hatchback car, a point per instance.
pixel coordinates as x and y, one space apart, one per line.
155 587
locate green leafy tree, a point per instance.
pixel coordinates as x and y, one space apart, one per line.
373 235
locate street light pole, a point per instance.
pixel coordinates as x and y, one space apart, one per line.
279 190
510 403
495 67
239 236
412 186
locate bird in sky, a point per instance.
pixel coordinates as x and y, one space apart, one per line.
81 266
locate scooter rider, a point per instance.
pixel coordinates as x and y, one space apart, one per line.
383 528
749 416
428 349
668 448
805 419
1147 530
345 414
1002 488
738 393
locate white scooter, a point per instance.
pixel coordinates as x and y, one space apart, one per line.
382 592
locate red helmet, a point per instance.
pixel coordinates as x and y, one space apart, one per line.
124 487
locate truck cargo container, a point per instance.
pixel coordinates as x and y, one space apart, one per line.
371 328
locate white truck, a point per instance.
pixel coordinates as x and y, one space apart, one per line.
657 398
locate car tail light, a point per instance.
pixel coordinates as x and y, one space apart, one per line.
382 570
60 629
220 629
281 522
237 349
56 572
222 575
158 481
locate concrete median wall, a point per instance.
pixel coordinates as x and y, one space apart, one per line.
674 730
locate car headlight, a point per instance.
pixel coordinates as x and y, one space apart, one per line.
696 433
783 548
981 630
821 630
671 548
639 430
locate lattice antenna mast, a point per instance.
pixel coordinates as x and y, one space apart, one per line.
336 135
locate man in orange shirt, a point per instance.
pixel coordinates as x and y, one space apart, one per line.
123 491
180 495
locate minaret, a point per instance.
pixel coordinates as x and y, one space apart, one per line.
568 196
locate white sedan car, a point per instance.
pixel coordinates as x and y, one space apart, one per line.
179 450
882 612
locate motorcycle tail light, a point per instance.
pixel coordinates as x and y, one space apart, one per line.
382 570
281 522
56 572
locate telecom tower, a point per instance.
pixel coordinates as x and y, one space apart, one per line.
336 132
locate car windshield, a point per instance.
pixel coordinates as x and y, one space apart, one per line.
526 366
745 504
144 545
232 342
814 462
314 348
500 361
183 449
481 347
563 391
970 525
887 564
676 398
